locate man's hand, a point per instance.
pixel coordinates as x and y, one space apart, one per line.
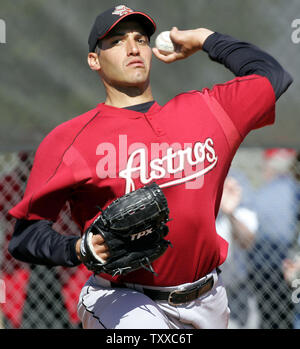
99 246
186 43
129 234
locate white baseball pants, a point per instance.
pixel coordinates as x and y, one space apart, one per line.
102 307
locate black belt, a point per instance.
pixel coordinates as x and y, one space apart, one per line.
179 296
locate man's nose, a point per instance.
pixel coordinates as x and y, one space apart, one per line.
132 48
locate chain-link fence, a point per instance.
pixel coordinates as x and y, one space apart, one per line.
261 273
35 296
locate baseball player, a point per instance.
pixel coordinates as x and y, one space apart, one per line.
117 163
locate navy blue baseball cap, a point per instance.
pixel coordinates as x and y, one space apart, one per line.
107 20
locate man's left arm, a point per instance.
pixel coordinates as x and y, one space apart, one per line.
241 58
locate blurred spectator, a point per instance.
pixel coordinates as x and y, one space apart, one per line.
237 224
276 206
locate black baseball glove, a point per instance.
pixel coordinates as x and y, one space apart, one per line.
133 227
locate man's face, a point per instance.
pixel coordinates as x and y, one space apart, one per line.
125 56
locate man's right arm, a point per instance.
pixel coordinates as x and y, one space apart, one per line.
36 242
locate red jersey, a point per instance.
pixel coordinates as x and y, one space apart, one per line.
185 146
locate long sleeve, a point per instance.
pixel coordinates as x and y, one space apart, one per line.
243 59
37 243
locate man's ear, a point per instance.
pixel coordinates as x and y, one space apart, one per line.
93 61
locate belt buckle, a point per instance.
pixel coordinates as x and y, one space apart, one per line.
188 290
170 297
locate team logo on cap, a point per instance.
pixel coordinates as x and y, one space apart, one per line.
122 10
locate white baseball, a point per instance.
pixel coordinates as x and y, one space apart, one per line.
164 43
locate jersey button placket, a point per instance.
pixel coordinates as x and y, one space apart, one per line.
156 128
159 131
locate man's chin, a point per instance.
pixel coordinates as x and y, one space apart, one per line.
138 83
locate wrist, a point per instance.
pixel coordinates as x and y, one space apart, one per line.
77 249
202 36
